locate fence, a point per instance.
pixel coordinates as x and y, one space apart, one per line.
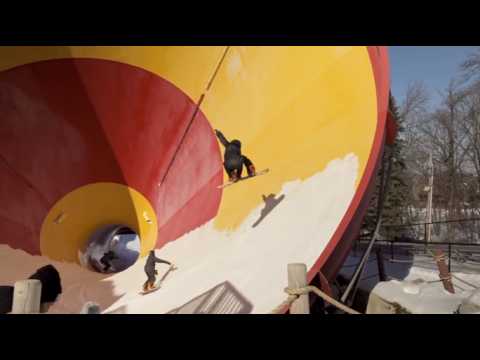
462 230
400 251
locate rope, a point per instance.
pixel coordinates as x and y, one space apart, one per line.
466 282
293 295
439 258
448 277
456 286
197 109
286 304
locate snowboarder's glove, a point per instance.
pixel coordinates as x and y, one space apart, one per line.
251 170
156 272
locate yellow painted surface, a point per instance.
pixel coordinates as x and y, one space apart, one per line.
74 218
188 67
295 109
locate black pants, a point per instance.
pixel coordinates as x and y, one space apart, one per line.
230 171
151 275
106 264
236 163
151 278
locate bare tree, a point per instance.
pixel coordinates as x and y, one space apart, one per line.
471 127
416 102
414 115
450 131
448 138
470 68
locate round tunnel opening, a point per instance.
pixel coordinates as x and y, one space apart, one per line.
111 249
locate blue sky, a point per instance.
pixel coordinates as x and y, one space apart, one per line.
434 65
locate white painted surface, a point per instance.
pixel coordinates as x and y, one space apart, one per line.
253 260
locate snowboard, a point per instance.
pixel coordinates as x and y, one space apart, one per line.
158 285
261 172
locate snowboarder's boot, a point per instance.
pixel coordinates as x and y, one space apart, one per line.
233 176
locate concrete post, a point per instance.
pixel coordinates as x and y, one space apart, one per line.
26 297
297 278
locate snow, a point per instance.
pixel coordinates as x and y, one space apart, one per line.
430 298
415 284
471 305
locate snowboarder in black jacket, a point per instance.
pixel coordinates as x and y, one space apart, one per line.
233 158
150 270
110 255
107 259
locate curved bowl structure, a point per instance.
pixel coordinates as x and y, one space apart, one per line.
94 136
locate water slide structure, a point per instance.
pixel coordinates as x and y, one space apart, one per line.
103 144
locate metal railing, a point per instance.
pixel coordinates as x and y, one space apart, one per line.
462 230
456 251
408 238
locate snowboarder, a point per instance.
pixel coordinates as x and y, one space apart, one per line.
150 270
107 258
110 255
233 158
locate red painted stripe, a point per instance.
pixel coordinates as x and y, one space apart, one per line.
200 204
71 122
189 196
16 235
93 120
22 211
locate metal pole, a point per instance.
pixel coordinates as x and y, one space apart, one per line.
385 181
381 269
428 229
361 266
